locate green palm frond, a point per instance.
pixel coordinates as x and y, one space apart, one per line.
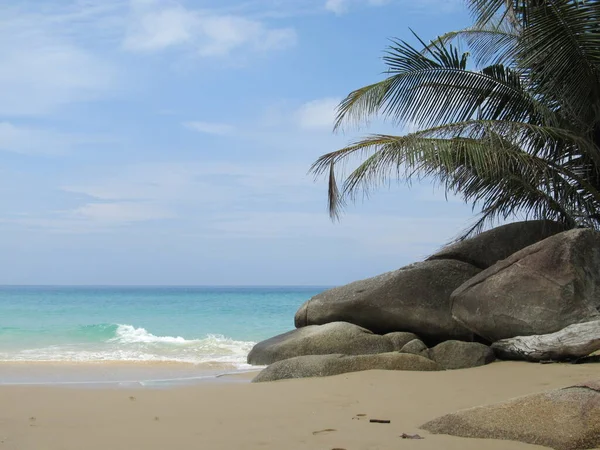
428 91
479 160
533 141
490 44
486 11
561 49
362 104
517 134
515 12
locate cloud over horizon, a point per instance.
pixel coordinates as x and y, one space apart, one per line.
184 131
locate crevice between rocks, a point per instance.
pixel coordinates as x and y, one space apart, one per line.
458 258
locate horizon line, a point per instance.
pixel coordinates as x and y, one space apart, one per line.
176 285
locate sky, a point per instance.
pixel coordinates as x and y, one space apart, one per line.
157 142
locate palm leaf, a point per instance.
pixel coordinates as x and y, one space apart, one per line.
490 44
484 161
519 134
430 90
561 49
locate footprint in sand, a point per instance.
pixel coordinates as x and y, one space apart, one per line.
328 430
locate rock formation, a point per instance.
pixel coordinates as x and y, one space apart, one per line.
539 290
327 365
415 298
563 419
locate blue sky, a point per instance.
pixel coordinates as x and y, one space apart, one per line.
168 142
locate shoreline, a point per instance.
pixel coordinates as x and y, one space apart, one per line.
117 374
317 413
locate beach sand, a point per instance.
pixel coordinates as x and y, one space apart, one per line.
320 413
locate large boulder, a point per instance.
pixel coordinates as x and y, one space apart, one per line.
336 337
538 290
563 419
489 247
452 355
415 298
327 365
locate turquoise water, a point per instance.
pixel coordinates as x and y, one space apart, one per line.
200 325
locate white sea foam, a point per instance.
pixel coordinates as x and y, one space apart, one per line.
131 344
128 334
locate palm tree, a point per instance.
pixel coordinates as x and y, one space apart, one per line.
513 126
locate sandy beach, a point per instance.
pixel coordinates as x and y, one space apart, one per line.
231 413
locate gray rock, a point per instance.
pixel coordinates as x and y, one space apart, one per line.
563 419
415 298
336 337
576 341
538 290
327 365
416 347
461 355
489 247
400 338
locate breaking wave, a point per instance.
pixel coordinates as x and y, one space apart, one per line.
122 342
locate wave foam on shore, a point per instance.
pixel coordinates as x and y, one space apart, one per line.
127 343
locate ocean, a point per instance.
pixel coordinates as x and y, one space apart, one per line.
211 328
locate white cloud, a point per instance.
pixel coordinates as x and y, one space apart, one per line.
93 217
342 6
195 184
222 34
58 53
121 213
43 65
220 129
34 141
155 27
192 194
337 6
248 200
318 113
159 29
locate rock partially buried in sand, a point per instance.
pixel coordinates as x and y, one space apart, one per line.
563 419
327 365
332 338
415 298
538 290
489 247
452 355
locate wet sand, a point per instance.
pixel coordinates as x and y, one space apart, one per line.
321 413
110 373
